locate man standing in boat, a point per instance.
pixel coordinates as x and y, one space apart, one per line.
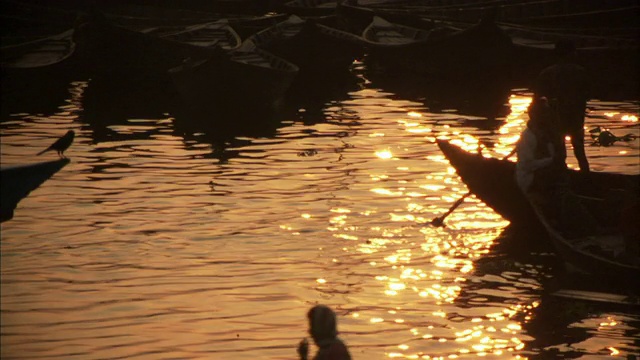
566 85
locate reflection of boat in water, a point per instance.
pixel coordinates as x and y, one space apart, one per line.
19 180
492 181
489 100
106 102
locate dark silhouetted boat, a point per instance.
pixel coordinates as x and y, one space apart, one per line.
310 7
610 56
246 79
19 180
385 33
447 51
38 53
493 182
138 16
318 46
36 65
359 15
584 13
110 49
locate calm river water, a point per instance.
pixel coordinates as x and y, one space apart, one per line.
161 241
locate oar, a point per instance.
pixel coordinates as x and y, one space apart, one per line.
439 221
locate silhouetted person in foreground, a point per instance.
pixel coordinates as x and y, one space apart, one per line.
324 331
61 144
567 86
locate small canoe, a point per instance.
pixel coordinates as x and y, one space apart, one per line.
20 180
493 181
38 53
207 35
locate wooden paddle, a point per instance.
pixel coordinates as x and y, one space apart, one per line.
439 221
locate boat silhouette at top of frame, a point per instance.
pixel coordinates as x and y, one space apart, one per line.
480 51
247 79
110 49
309 7
319 46
39 52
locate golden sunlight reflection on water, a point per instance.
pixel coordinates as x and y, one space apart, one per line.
148 246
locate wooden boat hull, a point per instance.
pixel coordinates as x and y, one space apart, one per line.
317 46
613 71
41 65
310 7
18 181
108 49
231 82
381 32
359 17
446 53
493 181
40 60
40 52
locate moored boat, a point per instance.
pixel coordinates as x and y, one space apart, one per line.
609 56
38 53
38 65
359 16
383 32
247 78
110 49
317 46
547 12
310 7
19 180
493 181
442 52
208 35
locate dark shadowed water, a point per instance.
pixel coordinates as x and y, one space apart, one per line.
168 239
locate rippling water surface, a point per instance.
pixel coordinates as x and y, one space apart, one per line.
159 242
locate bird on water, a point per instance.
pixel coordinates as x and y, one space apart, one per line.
61 144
